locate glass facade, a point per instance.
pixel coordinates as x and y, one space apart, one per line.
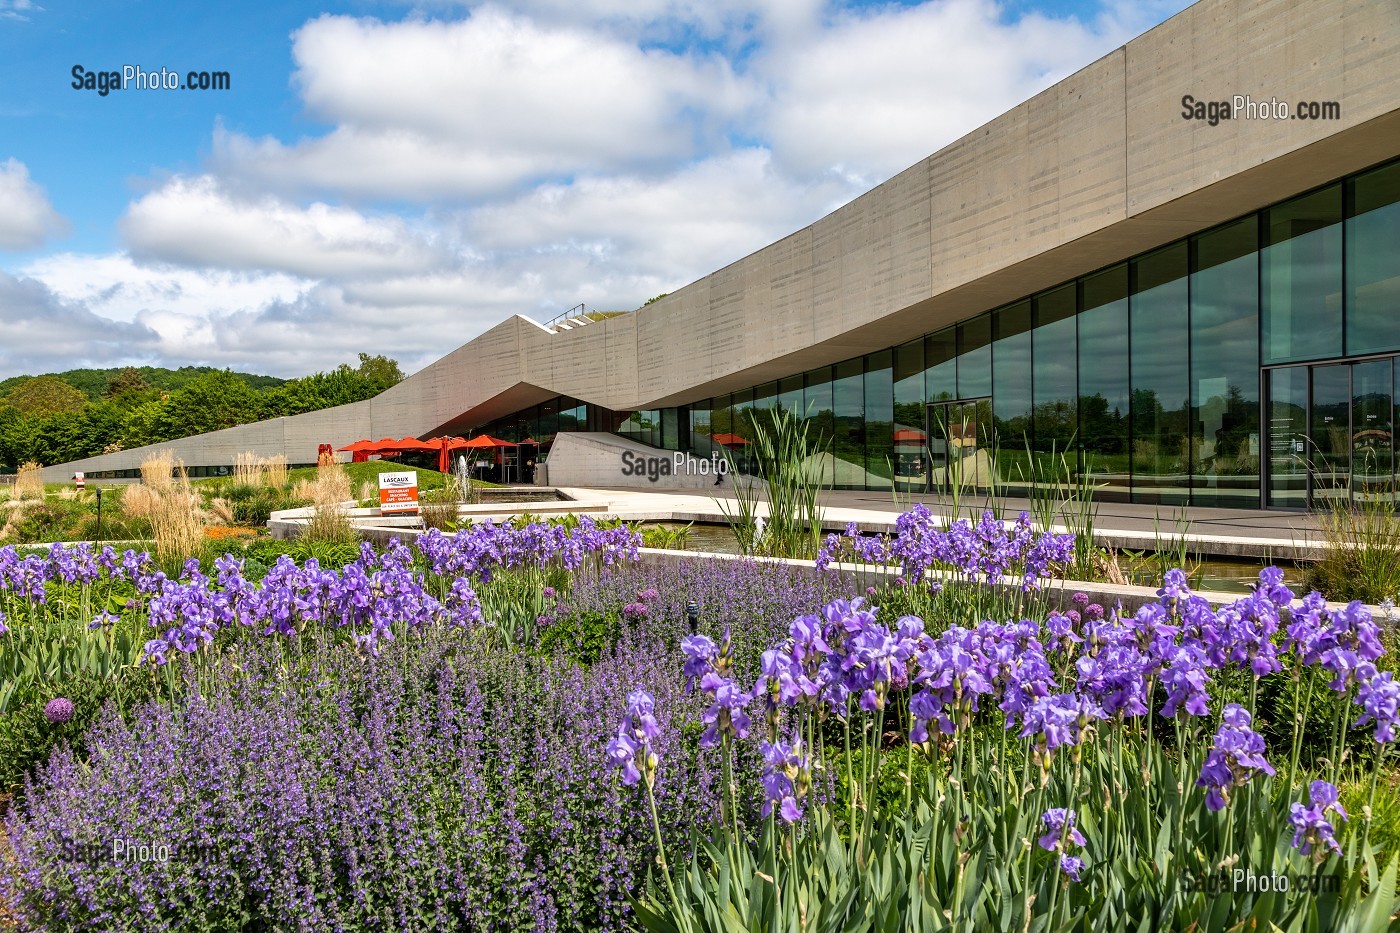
1248 365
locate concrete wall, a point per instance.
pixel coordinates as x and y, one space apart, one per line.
1086 173
606 460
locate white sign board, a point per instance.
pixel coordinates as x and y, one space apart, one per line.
398 493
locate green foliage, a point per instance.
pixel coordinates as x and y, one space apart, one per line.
662 536
43 396
965 857
582 637
1361 558
368 472
81 413
26 737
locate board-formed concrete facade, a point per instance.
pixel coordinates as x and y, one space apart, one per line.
1097 168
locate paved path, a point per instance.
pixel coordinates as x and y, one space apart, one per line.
1215 532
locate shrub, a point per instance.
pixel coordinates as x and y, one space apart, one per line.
1361 550
442 788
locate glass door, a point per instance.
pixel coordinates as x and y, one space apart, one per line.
959 445
1288 437
1330 432
1372 411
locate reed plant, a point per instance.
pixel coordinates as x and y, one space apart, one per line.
1361 549
29 481
327 492
166 499
778 513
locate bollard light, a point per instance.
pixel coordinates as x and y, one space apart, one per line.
692 615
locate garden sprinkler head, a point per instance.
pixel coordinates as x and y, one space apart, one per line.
692 615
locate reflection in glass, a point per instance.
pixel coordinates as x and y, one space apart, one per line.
848 439
1054 346
1373 263
1225 367
1103 382
941 364
1330 433
975 358
1288 437
1160 393
908 437
1372 431
879 419
1011 395
1302 278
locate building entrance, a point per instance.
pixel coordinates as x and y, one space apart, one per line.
960 445
1330 432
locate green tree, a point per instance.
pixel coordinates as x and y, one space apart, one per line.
210 402
380 371
127 382
42 396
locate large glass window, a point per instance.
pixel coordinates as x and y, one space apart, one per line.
879 419
908 436
1011 394
1103 381
1373 262
1288 437
975 358
701 428
1302 278
1225 366
1054 346
1158 310
819 408
941 365
790 395
848 442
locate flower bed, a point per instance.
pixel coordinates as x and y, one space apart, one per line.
511 728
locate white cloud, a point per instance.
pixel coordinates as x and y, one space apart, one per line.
652 232
476 106
26 216
45 333
119 288
195 222
18 9
878 90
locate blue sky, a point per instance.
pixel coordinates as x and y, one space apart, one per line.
395 178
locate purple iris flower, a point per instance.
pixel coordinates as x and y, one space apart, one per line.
1312 831
1236 756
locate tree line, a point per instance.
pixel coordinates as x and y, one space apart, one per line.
60 417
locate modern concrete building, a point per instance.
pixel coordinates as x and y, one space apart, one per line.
1149 265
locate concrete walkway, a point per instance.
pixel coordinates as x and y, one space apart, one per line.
1210 532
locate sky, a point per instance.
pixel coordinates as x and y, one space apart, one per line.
397 177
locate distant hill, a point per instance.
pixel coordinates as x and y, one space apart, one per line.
93 382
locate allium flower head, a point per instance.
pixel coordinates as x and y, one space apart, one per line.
58 710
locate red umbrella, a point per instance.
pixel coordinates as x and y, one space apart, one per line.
728 440
445 445
359 450
413 443
484 441
909 436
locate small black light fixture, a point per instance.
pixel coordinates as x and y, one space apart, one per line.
692 615
98 490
